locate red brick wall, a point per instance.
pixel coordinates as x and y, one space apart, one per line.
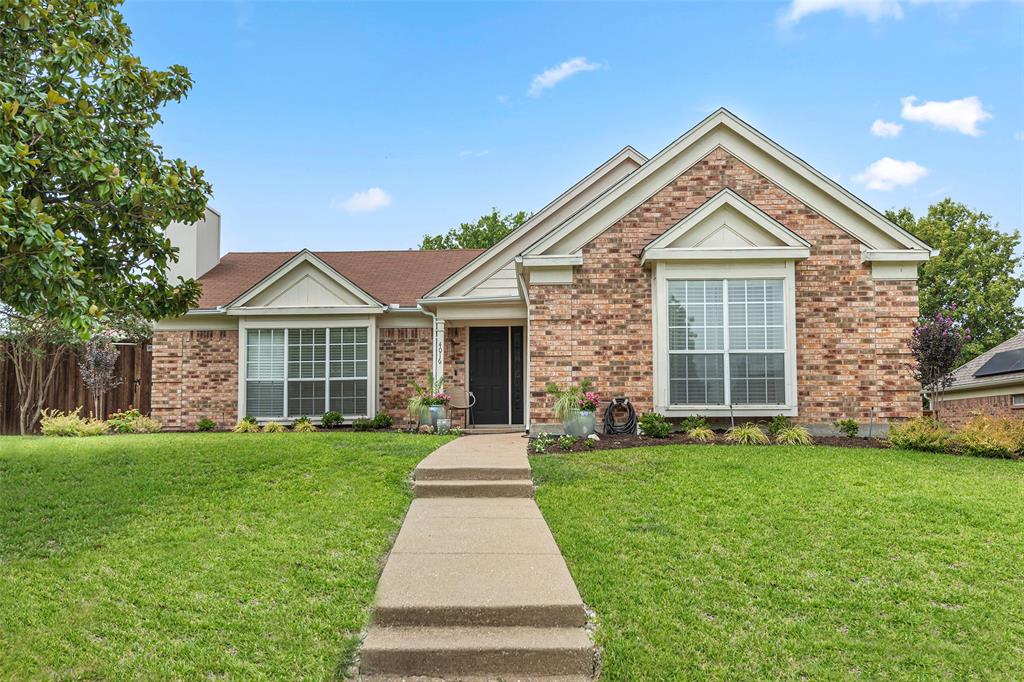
956 412
195 375
403 355
456 341
852 331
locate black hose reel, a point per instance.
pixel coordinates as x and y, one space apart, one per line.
619 416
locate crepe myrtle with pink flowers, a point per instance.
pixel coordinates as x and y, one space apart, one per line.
936 344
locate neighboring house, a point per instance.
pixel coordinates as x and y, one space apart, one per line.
723 276
990 384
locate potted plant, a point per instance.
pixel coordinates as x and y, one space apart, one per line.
575 407
428 403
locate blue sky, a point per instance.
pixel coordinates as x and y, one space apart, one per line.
364 126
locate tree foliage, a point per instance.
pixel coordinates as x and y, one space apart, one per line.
976 274
488 230
937 344
85 192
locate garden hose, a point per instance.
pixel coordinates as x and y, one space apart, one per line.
628 426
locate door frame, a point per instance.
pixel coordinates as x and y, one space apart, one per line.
507 325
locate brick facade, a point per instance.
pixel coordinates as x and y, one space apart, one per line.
852 330
403 355
955 412
456 342
195 375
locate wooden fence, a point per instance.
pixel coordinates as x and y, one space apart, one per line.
134 367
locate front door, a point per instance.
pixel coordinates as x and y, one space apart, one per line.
488 374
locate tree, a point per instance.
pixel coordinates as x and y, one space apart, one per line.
97 365
85 192
976 274
488 230
936 344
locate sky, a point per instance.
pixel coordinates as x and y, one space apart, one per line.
338 126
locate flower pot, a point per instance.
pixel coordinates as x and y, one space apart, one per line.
580 424
436 412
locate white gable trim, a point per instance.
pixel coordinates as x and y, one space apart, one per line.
488 257
725 130
303 257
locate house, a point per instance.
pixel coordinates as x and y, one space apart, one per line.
990 384
722 277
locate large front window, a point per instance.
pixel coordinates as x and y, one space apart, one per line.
726 342
306 372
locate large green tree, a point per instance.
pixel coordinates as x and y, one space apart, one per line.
85 192
488 230
976 276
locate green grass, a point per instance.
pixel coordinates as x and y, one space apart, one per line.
187 556
802 562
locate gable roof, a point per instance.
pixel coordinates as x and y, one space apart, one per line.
301 258
965 376
400 277
500 254
724 129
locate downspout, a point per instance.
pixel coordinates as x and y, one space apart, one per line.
526 379
433 336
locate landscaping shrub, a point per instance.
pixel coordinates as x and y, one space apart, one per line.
303 425
688 424
990 437
922 433
793 435
747 434
363 424
541 443
382 421
655 425
273 427
847 427
566 442
206 424
132 421
70 424
246 426
702 434
778 424
331 419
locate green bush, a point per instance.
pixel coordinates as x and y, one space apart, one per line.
655 425
382 421
363 425
246 426
747 434
990 437
567 441
303 425
778 424
847 427
70 424
206 424
132 421
793 435
273 427
250 419
923 433
701 434
331 419
541 443
688 424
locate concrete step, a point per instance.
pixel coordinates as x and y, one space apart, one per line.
511 652
502 488
449 590
472 473
491 429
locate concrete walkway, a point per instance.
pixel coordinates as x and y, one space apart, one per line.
475 586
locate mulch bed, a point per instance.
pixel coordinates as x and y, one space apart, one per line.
619 441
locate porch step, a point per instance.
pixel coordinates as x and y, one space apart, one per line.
477 651
486 429
473 473
474 488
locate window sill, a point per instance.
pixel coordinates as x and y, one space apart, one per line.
726 411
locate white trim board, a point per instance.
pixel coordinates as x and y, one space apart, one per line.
302 257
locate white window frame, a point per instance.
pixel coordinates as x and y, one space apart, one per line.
325 322
666 271
1017 400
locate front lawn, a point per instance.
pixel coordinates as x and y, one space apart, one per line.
194 555
813 562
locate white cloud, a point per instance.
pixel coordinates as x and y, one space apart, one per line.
882 128
372 199
962 115
1019 136
873 10
887 173
549 78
